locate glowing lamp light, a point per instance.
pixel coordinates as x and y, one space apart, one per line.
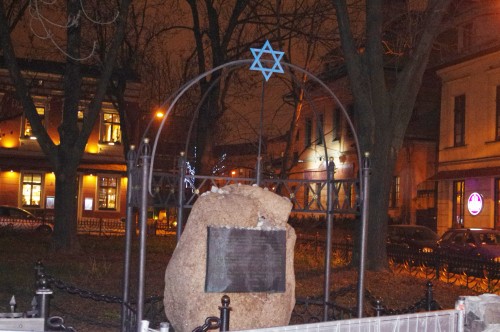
8 142
159 114
92 148
475 203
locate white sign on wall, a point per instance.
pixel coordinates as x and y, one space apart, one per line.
475 203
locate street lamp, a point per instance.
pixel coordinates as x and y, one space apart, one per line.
159 113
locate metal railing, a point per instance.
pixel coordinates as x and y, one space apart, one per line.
39 317
307 196
305 310
311 310
471 272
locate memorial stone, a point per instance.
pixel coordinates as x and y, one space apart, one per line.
258 219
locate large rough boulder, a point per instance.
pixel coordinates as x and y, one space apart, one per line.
187 305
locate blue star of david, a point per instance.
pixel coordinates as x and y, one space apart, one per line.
257 65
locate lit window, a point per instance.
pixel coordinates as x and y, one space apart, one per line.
108 192
458 204
110 129
80 119
394 193
28 131
31 189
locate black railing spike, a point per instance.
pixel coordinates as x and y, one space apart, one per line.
379 308
429 296
39 269
43 293
224 313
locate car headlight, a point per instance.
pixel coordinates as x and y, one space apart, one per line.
427 249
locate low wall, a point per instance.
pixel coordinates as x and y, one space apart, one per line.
433 321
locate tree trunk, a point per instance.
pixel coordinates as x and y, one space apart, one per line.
382 164
207 119
65 228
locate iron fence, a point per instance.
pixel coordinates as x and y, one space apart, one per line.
39 317
306 195
311 310
305 310
478 274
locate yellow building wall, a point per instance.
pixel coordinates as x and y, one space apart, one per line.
478 79
9 183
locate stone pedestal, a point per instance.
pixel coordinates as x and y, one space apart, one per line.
187 304
482 313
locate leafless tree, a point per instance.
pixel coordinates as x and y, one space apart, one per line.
65 155
15 11
384 99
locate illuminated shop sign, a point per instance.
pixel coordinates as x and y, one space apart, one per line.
475 204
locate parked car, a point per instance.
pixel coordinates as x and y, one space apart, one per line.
414 238
467 249
17 219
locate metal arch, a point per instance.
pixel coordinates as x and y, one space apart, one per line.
177 95
236 63
363 169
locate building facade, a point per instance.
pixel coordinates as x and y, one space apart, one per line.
469 143
26 178
469 149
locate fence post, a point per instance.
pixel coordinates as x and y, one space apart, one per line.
43 294
145 155
428 296
131 165
364 229
378 307
39 271
224 313
329 229
460 305
180 207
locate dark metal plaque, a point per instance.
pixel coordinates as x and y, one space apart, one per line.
245 260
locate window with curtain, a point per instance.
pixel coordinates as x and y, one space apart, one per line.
110 127
108 192
31 189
